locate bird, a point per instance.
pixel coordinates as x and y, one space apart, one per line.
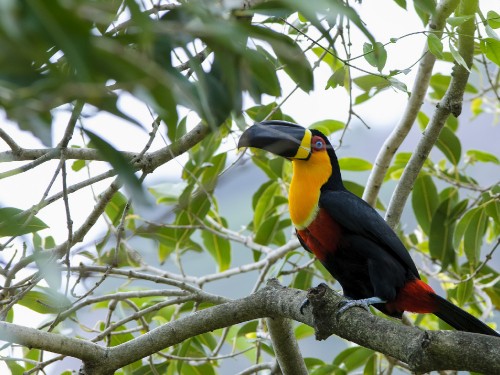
348 236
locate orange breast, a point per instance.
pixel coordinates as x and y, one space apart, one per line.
322 236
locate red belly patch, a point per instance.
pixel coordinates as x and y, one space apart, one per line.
322 236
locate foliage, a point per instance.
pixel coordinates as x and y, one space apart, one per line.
205 72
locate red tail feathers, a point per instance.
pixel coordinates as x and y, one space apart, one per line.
416 296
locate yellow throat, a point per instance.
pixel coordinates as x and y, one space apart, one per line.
308 178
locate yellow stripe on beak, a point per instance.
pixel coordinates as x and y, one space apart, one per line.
304 150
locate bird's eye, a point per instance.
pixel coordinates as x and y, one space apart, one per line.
318 143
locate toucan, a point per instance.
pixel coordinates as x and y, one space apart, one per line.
352 241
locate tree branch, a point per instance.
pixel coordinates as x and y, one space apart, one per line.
450 104
420 85
148 162
285 346
10 141
33 338
423 351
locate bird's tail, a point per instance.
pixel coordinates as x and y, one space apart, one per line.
460 319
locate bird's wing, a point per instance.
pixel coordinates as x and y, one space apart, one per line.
358 217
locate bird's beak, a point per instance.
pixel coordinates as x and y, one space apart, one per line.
281 138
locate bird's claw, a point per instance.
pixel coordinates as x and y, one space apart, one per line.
364 303
346 305
305 303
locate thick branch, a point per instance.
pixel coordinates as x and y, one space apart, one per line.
423 351
33 338
450 104
272 301
420 85
285 346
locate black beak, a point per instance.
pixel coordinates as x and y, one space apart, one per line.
280 138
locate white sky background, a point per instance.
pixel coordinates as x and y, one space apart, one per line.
382 17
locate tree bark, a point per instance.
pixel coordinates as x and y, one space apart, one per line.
423 351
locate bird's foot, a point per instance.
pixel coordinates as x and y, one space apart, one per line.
305 303
364 303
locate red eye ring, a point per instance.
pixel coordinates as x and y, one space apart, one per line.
318 143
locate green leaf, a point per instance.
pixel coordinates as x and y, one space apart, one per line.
493 210
175 131
218 247
168 192
78 165
328 127
265 232
164 250
476 106
337 78
118 337
210 175
457 21
491 33
440 82
449 144
355 164
424 9
159 368
457 56
474 156
375 55
452 123
353 357
369 82
422 120
15 368
425 201
265 204
263 73
45 301
473 235
397 84
13 222
302 331
119 163
362 98
401 3
428 6
464 292
441 232
462 225
247 328
260 112
493 19
329 370
114 208
290 55
302 280
491 48
435 45
371 366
